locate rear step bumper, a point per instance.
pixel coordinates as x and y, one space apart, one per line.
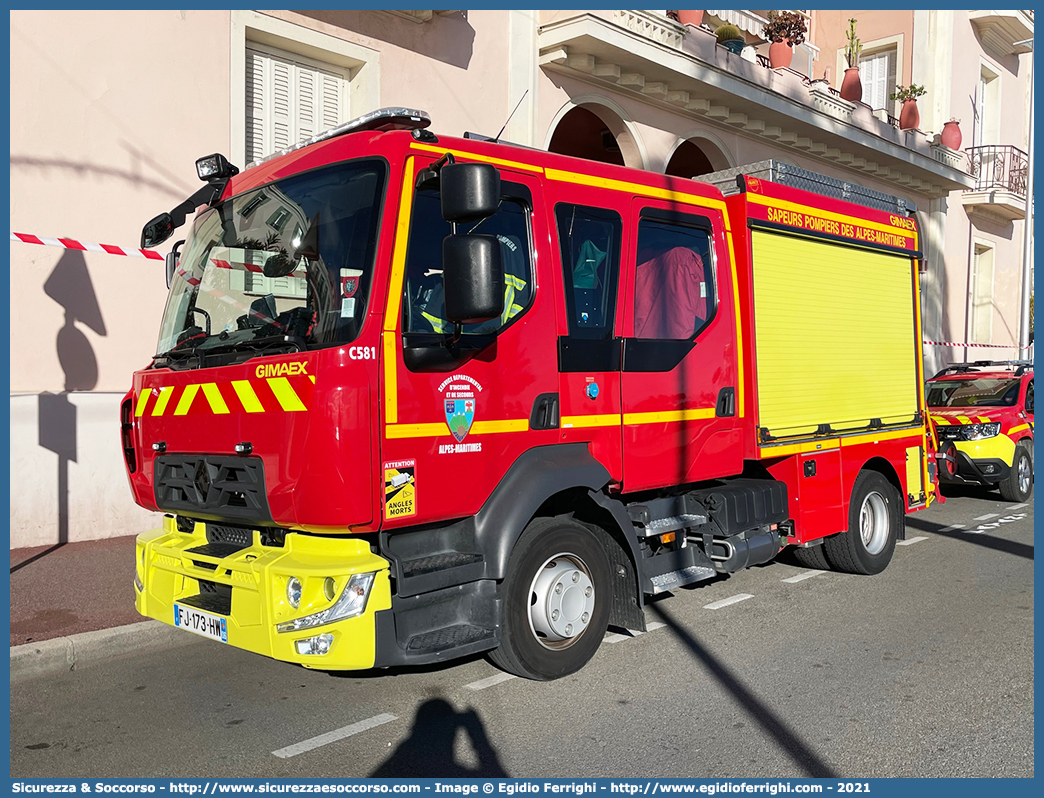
246 587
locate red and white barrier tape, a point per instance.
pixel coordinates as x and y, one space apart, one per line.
980 346
85 246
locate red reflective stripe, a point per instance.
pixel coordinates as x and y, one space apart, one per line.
150 255
28 239
112 249
221 264
71 244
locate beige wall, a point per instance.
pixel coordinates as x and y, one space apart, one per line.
830 35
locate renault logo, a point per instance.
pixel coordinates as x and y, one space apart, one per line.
201 481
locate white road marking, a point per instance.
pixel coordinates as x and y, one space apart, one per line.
717 605
802 577
952 528
910 541
986 517
1019 506
334 736
489 681
632 633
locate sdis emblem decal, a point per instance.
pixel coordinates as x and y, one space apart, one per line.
459 403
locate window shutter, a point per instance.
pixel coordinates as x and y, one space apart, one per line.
289 100
877 74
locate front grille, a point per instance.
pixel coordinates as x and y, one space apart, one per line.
236 536
219 550
212 487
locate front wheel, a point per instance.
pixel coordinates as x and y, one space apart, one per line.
874 515
1018 485
557 596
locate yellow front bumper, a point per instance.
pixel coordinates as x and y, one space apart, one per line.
167 572
999 447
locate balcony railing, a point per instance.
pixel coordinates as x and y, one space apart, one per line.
998 168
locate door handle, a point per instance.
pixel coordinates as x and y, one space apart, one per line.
726 405
544 414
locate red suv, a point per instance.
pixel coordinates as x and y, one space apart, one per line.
983 415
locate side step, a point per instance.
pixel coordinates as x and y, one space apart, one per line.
441 625
432 559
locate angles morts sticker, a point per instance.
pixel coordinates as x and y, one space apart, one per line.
400 489
459 400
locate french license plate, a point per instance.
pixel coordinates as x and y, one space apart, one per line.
202 623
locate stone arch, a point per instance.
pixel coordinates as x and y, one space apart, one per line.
594 127
697 154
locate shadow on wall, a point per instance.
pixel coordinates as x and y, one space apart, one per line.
428 751
70 286
449 39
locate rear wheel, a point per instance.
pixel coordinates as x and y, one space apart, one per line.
557 596
812 557
1019 484
874 515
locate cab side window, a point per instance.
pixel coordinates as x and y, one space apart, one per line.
423 304
1029 398
589 239
674 291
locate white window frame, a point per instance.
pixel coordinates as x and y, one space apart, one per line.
252 28
987 119
873 47
980 246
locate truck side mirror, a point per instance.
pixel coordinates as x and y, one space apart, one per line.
472 278
157 230
170 260
470 191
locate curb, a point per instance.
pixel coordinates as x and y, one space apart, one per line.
61 654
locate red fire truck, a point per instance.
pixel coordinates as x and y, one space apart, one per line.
417 397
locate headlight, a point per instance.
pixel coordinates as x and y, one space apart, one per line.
351 603
977 432
293 591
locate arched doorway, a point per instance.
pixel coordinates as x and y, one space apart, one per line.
697 156
596 133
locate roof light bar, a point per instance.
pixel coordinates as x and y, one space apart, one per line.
393 118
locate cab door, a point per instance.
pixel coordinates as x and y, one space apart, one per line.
590 242
680 374
457 411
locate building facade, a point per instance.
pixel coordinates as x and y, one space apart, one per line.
106 127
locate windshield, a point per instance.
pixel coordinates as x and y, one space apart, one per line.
293 259
973 393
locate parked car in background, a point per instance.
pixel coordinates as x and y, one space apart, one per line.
983 416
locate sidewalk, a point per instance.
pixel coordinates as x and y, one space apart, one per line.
59 591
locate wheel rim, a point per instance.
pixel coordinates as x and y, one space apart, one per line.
873 523
1024 474
561 601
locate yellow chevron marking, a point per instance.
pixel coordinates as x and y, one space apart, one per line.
284 392
312 378
166 392
185 402
941 421
214 397
1019 428
964 419
245 391
143 400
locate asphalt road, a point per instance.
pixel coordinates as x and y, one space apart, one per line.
924 670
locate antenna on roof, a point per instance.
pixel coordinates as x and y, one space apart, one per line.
497 137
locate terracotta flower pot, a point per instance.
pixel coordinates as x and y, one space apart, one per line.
909 116
951 135
852 86
691 17
780 54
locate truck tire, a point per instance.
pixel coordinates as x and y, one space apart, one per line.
874 515
812 557
1019 484
556 601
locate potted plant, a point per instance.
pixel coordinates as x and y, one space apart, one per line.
909 117
784 29
852 86
730 37
693 18
951 134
